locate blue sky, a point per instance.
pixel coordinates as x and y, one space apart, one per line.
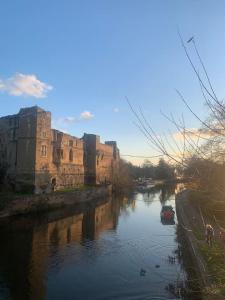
85 57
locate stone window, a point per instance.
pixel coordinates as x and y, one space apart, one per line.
58 153
16 122
43 150
61 153
58 136
44 134
71 155
12 134
71 143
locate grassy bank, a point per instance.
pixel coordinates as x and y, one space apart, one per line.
215 262
214 256
75 189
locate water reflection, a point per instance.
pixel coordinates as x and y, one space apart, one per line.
165 193
27 243
92 251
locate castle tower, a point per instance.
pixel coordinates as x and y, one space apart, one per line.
25 148
90 148
43 151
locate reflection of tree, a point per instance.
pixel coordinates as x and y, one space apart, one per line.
166 192
162 192
133 205
151 196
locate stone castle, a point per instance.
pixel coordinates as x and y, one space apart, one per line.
36 158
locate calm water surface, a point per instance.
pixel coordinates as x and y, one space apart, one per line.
92 252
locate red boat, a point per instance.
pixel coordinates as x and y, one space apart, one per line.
167 213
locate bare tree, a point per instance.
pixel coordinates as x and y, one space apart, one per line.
200 153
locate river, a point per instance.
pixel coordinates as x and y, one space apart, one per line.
112 249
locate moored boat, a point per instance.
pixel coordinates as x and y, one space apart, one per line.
167 213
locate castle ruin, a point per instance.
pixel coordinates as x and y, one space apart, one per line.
36 158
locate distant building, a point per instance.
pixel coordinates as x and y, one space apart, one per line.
36 158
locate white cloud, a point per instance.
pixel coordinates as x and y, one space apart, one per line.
86 115
66 121
193 133
25 85
116 109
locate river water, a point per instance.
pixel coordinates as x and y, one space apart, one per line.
113 249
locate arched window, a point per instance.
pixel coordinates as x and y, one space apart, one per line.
43 150
71 155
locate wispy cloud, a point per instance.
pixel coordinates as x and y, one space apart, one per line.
27 85
193 133
115 109
66 121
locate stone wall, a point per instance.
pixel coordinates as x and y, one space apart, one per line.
68 157
104 163
101 160
182 206
43 154
45 202
18 141
89 158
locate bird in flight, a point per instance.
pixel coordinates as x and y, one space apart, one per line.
191 39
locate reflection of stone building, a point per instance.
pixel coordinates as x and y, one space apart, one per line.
30 247
50 236
99 219
26 252
35 157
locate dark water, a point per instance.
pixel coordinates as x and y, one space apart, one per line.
94 252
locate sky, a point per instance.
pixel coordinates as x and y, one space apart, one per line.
82 59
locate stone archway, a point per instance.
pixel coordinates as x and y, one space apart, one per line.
53 184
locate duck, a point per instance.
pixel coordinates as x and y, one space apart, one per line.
142 272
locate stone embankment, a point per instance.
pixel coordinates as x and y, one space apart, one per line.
182 207
190 219
36 203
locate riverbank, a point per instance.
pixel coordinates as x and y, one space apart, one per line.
25 204
209 261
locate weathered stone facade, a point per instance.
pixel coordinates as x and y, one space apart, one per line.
34 157
100 160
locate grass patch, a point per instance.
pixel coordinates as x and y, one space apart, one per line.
215 261
213 256
198 234
75 189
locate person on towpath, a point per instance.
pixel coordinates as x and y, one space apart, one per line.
209 233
